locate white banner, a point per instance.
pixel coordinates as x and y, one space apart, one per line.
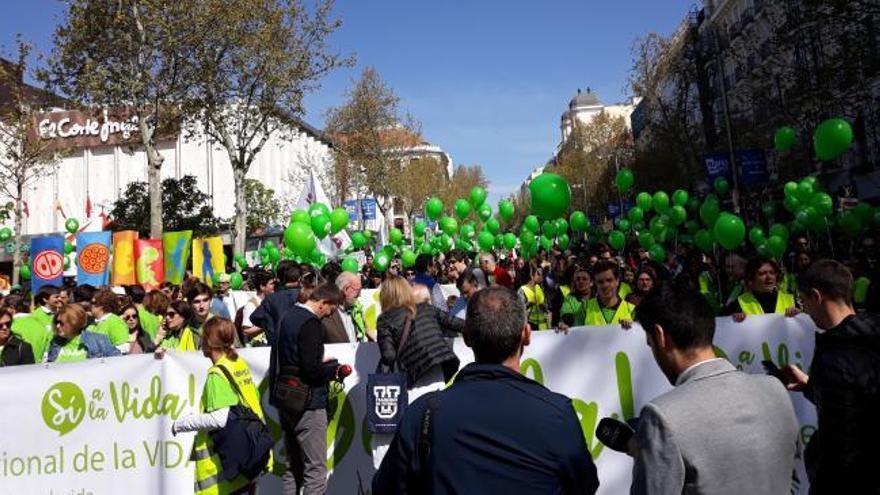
103 426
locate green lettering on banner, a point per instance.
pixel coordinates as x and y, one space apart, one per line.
533 366
588 415
624 385
63 407
340 429
126 401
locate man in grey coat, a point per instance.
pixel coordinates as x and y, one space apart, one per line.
719 430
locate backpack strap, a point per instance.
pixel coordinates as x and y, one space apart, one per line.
232 382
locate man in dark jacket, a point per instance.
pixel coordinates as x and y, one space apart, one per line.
471 442
269 312
844 383
296 364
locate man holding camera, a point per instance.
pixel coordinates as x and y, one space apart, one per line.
719 430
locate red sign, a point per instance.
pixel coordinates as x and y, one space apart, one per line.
48 264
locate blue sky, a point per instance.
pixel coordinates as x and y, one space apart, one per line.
488 80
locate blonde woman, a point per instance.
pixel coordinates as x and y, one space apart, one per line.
425 357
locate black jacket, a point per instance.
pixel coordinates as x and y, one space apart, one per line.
269 312
493 431
298 351
845 387
425 347
15 352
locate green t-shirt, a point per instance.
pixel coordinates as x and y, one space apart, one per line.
44 318
571 305
218 393
608 313
72 352
113 327
32 331
149 322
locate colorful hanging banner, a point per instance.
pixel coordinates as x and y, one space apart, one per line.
150 267
176 246
93 258
47 261
123 258
207 258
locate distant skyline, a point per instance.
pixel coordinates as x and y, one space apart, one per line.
487 80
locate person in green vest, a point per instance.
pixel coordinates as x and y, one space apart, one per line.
762 295
229 383
608 308
28 328
532 294
151 311
574 306
105 304
148 322
735 270
72 343
46 303
627 282
175 332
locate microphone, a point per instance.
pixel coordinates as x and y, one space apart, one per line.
615 434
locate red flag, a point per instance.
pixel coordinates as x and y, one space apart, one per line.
25 209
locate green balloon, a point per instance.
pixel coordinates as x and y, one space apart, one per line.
561 226
721 186
550 195
484 212
804 191
623 224
776 246
790 188
506 210
395 236
71 225
549 229
467 232
357 240
730 231
419 228
349 265
493 226
235 280
784 139
709 212
426 248
680 197
381 261
563 241
546 243
624 180
433 208
477 196
499 241
636 214
644 201
657 252
68 247
791 204
408 258
780 231
832 138
486 240
5 234
677 215
316 209
448 225
301 216
527 239
579 221
25 272
646 240
756 236
704 240
509 241
851 225
338 220
320 225
660 201
462 209
531 223
299 238
616 239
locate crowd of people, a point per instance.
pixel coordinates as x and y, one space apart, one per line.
297 309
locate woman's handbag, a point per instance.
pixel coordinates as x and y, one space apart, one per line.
387 396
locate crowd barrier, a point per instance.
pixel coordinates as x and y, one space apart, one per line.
104 426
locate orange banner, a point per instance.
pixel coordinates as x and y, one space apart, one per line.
123 258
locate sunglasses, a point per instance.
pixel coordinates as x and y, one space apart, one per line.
129 317
5 324
171 314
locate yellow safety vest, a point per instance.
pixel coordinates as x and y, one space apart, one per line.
860 290
624 290
595 317
708 291
208 464
536 308
188 341
751 306
566 290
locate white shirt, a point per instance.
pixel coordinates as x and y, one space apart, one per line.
307 308
678 380
248 310
348 323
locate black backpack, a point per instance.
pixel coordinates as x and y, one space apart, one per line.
244 444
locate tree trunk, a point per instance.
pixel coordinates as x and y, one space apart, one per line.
154 177
16 256
239 228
